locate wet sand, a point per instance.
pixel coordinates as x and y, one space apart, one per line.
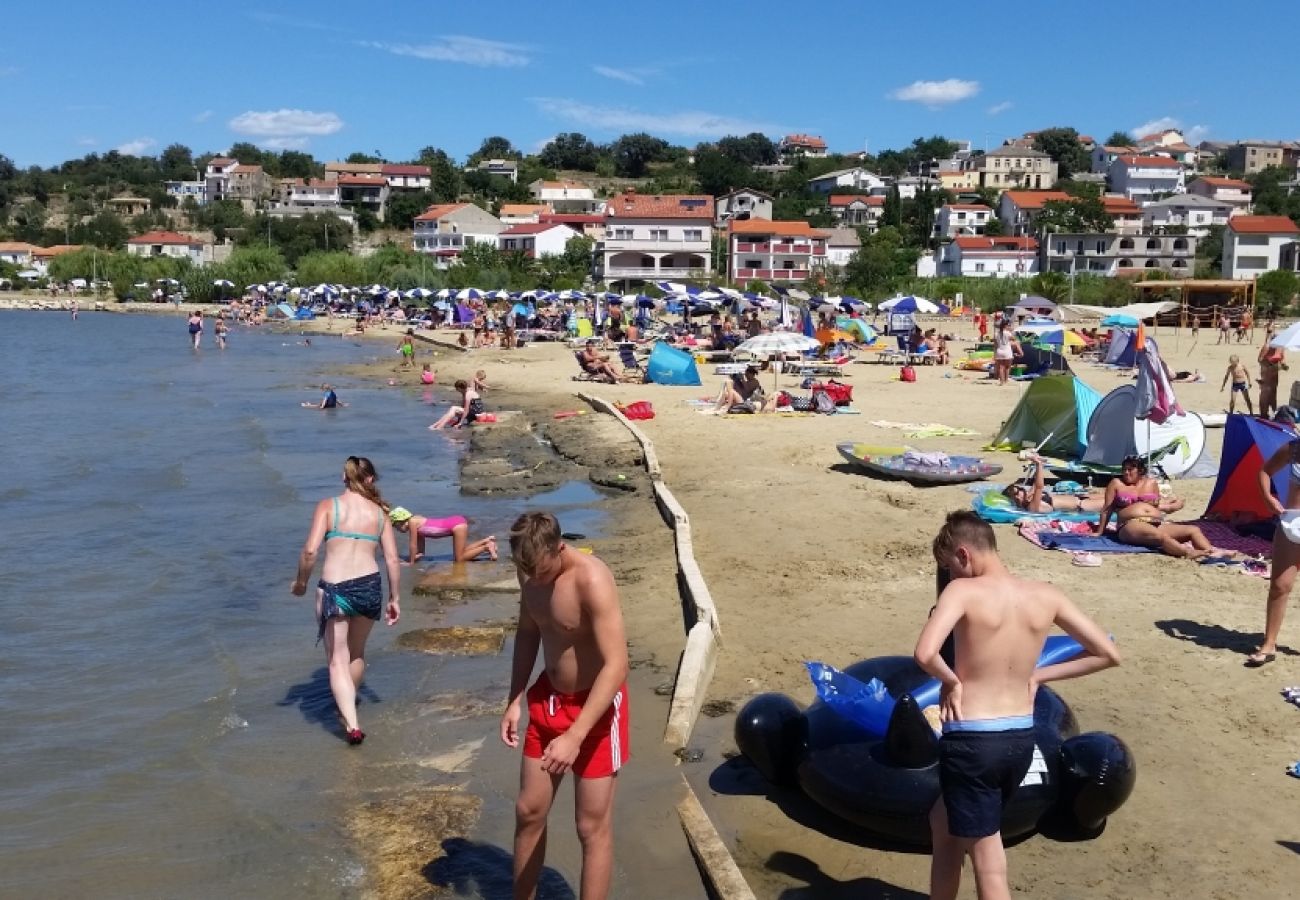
809 561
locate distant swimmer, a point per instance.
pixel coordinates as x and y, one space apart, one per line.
220 330
74 310
454 527
196 328
350 593
330 400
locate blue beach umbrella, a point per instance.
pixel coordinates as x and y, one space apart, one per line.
1119 320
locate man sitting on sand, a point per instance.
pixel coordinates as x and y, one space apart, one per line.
746 392
999 623
597 364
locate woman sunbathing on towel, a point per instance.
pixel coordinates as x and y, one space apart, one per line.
1134 499
1037 499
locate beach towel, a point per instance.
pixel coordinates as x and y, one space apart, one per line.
1222 535
1089 543
925 429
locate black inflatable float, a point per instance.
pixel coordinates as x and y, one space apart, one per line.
887 784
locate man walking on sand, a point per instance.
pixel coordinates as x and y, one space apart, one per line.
998 623
577 708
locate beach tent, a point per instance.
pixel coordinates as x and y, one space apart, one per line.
1039 359
281 309
1055 409
1123 349
668 365
464 315
303 313
1114 432
1035 306
1247 443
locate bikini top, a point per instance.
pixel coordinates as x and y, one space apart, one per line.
1123 499
335 533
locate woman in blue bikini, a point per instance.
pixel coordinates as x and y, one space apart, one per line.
349 596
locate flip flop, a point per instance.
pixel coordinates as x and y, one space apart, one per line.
1257 659
1086 560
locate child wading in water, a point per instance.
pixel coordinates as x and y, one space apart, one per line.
1240 376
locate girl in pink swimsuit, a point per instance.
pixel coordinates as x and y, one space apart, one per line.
455 527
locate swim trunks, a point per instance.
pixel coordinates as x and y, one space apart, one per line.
981 763
438 528
363 596
408 350
1240 386
550 714
475 410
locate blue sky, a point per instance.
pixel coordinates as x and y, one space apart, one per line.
333 77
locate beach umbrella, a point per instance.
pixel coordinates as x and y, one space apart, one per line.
775 342
1286 339
469 294
419 293
571 294
222 282
441 304
1119 320
445 294
1072 339
393 295
676 287
910 304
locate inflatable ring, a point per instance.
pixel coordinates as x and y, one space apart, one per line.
886 784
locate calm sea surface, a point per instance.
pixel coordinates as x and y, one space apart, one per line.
167 729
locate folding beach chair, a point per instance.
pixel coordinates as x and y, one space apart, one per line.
627 357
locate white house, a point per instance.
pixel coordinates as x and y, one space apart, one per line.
989 257
841 245
910 185
216 177
1229 190
537 239
1191 211
774 251
802 145
856 209
1103 155
649 236
404 177
855 179
565 196
1253 245
166 243
512 214
18 253
745 203
1145 178
961 218
445 230
195 190
1017 209
506 168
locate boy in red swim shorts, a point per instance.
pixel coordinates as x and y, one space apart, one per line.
577 708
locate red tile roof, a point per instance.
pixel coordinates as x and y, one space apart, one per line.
434 213
1086 139
631 205
573 218
362 180
398 170
1034 199
532 228
222 161
850 199
1236 183
1150 162
783 229
242 169
804 140
166 237
1263 225
56 250
523 209
17 247
969 207
1120 206
997 244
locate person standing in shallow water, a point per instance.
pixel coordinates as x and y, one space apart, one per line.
349 595
577 708
196 328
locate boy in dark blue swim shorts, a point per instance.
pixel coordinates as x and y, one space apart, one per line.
998 624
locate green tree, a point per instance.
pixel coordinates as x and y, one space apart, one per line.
445 176
495 147
717 172
1080 216
363 159
754 149
1209 251
882 263
177 163
1062 145
571 150
633 154
404 206
1054 286
296 164
1120 139
993 227
330 268
1276 290
105 229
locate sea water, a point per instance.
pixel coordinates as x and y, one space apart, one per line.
165 720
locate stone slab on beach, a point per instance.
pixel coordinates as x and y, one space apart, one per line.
458 581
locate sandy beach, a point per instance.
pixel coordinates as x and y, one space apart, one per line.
807 561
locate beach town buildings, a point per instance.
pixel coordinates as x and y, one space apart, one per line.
167 243
1011 168
1108 254
1103 155
1146 178
745 203
1253 245
1017 209
364 192
43 256
406 177
801 145
297 197
588 225
1125 215
988 257
841 244
855 178
961 218
445 230
216 177
196 190
566 196
653 236
857 209
512 214
504 168
336 169
1233 191
1249 157
1193 212
774 251
536 240
17 253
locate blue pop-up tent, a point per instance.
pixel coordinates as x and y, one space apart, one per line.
1247 444
668 365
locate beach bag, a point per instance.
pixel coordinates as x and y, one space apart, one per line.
907 373
802 404
839 392
641 409
822 402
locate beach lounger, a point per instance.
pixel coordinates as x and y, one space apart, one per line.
627 357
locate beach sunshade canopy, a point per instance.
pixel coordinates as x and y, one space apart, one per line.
910 304
1247 444
1123 350
1288 338
1072 339
669 365
1053 415
778 342
419 293
1120 320
222 282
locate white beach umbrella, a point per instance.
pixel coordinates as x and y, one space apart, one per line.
469 294
222 282
778 342
1287 339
